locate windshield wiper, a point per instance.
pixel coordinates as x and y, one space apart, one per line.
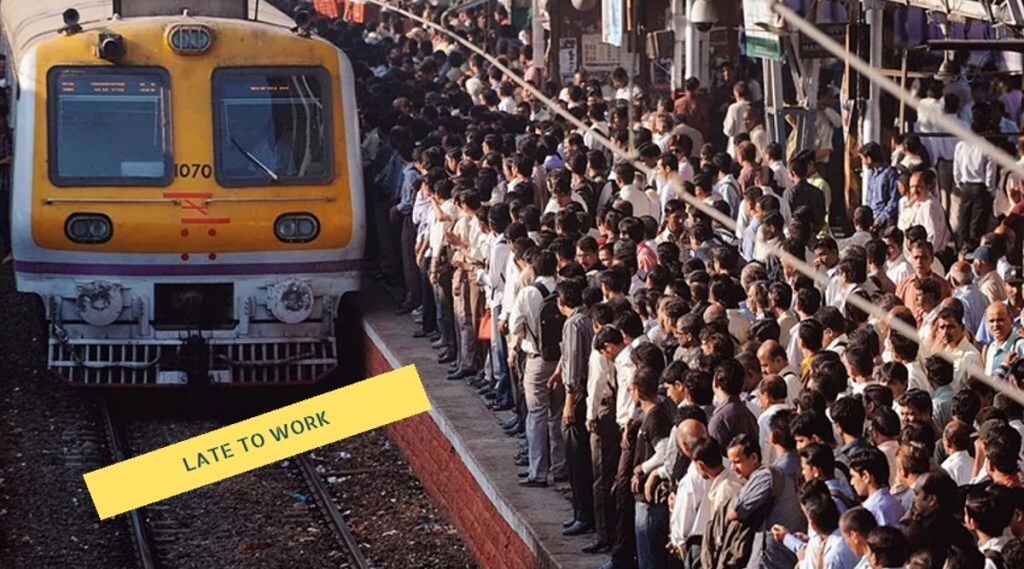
252 158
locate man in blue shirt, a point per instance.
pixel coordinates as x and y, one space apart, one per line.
961 278
408 184
869 475
881 196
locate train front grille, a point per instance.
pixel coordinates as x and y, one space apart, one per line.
231 361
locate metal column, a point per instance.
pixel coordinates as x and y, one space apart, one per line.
537 33
698 50
678 45
774 104
874 11
871 127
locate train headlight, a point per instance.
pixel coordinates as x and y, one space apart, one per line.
89 228
99 302
297 227
190 40
290 301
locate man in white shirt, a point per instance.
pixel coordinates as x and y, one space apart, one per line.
706 488
771 395
633 334
598 126
630 192
897 267
956 440
691 488
492 277
605 437
668 180
975 174
754 124
780 173
925 210
545 445
950 335
734 124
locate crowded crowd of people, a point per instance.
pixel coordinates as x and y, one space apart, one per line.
710 405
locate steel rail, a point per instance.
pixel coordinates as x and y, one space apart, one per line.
141 537
323 497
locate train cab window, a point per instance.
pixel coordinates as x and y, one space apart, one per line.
109 126
272 126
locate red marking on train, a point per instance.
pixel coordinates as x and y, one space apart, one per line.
213 256
187 195
184 256
189 204
207 220
212 232
184 232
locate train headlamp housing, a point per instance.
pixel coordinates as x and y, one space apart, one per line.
303 21
297 227
90 228
110 47
71 22
189 39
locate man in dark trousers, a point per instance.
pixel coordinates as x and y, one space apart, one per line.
577 337
604 435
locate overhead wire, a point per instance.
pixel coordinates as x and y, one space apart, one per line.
797 263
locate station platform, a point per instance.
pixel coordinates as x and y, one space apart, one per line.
464 459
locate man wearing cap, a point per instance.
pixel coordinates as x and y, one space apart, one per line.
988 280
1014 281
1005 338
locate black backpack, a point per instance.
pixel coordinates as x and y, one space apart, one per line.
551 322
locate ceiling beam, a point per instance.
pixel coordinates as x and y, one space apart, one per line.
960 10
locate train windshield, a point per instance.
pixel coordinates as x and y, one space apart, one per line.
272 126
109 127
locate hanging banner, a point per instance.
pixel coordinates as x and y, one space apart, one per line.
568 58
612 25
759 42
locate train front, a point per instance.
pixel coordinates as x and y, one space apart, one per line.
187 200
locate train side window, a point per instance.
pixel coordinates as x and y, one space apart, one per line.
109 126
272 125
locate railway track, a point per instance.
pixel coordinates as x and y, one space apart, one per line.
163 532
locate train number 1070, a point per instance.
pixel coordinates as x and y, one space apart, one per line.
193 170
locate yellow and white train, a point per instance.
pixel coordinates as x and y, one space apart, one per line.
187 194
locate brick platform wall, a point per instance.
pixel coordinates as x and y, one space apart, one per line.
433 459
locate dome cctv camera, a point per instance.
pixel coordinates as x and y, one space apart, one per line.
704 15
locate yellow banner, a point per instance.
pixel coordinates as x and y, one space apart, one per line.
256 442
